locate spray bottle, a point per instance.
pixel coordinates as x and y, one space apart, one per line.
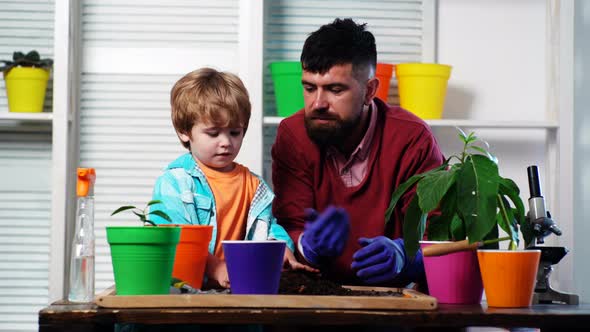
82 256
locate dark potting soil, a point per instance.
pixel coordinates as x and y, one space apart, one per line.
305 283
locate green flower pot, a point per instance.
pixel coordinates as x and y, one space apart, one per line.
286 77
143 258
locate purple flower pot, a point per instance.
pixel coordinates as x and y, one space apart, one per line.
254 267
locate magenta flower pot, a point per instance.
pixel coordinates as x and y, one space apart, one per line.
453 278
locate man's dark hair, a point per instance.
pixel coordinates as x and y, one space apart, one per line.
338 43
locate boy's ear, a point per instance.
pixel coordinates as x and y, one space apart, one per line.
183 137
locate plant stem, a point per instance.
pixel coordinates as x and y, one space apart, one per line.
451 158
504 214
464 153
500 239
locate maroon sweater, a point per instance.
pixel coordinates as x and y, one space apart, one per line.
403 145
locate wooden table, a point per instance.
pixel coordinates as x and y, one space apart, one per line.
62 316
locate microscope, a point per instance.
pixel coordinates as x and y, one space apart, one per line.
542 226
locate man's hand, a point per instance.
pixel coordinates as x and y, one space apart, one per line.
325 235
382 260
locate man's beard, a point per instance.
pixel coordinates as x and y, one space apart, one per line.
332 134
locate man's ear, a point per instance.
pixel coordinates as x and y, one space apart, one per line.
372 85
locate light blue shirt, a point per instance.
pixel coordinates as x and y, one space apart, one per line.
188 199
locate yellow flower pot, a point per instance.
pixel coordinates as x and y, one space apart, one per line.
25 88
423 88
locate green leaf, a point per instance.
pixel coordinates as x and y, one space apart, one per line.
448 208
448 204
140 215
509 226
402 188
433 187
510 189
479 149
161 214
152 202
458 231
414 225
471 138
484 152
397 194
477 190
17 56
123 208
438 229
150 222
502 223
33 56
462 135
46 63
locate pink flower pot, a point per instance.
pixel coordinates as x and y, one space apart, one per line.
453 278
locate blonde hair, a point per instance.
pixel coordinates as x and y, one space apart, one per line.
209 96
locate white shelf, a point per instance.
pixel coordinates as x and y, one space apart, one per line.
41 117
518 124
274 120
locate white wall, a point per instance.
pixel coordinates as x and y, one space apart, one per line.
498 53
497 50
582 146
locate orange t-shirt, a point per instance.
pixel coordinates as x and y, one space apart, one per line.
233 192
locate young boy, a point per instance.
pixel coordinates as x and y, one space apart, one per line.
210 113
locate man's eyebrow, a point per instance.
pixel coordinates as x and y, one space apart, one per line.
336 85
327 86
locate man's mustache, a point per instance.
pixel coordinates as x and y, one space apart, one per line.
323 114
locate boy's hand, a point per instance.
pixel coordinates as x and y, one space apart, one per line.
217 270
290 262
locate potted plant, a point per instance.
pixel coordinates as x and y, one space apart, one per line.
469 200
143 256
191 253
26 78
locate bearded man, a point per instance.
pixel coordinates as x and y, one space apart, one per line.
337 162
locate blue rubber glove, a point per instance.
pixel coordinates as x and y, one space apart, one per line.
325 234
383 260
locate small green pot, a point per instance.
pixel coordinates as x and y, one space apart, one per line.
143 258
286 77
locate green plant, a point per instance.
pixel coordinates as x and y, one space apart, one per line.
31 59
471 197
143 214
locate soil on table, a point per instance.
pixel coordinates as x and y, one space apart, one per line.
305 283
